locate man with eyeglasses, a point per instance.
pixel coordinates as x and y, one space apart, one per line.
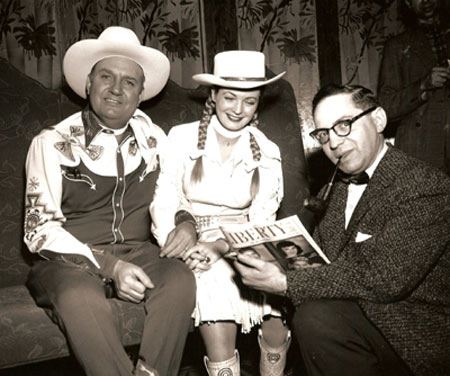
382 306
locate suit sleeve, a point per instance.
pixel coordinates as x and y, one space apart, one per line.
413 233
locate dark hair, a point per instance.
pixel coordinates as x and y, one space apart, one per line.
362 97
208 111
288 243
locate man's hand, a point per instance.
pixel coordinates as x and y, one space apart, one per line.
260 274
131 281
180 239
437 78
204 254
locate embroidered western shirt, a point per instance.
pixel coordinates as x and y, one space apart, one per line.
85 191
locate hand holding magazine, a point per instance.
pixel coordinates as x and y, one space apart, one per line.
286 242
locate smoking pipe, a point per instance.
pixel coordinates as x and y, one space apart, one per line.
318 204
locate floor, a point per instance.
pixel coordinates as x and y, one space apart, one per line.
191 365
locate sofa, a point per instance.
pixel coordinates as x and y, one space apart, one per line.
27 334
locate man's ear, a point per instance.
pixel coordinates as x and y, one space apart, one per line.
88 85
380 118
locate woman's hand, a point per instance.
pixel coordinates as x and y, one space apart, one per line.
204 254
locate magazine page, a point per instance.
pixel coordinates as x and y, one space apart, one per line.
286 242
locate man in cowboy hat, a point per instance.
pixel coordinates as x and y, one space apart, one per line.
90 181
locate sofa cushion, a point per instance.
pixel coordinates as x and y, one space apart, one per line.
29 335
25 108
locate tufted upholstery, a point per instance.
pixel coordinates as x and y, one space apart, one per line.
26 332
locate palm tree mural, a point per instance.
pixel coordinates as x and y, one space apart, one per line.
364 17
180 43
297 49
36 40
269 15
9 12
152 20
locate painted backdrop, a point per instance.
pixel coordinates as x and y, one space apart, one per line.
34 35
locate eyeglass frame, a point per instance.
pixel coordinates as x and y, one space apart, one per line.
348 122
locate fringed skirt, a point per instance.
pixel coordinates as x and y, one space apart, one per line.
221 296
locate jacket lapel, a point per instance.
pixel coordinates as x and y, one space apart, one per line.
384 175
332 226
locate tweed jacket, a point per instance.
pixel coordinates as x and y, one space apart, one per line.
421 127
400 275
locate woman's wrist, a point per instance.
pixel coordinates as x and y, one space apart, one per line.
222 246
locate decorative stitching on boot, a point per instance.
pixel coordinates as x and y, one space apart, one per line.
225 372
273 358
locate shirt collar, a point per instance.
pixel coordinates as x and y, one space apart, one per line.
92 127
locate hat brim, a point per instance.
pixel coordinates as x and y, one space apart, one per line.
213 80
83 55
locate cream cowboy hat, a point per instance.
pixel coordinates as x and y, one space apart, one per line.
237 70
115 41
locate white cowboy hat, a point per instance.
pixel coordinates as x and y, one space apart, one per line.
237 70
115 41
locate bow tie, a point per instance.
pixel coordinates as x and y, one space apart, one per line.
361 178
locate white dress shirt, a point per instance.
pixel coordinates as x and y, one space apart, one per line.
355 191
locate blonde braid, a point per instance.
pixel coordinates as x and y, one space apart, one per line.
208 111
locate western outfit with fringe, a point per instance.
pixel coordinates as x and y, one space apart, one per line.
222 196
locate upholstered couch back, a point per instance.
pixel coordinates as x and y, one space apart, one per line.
26 107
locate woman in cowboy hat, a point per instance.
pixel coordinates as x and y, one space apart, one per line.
222 169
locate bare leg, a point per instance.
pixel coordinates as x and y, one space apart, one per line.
274 331
219 339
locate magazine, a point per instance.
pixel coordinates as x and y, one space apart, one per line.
285 242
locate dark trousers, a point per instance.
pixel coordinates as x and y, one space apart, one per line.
78 304
337 339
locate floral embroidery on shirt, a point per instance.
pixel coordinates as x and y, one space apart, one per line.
132 148
93 151
151 166
76 130
65 149
151 142
36 214
33 183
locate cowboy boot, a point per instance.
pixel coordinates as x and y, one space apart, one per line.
273 361
142 369
229 367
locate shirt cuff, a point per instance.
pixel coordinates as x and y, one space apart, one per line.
107 263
